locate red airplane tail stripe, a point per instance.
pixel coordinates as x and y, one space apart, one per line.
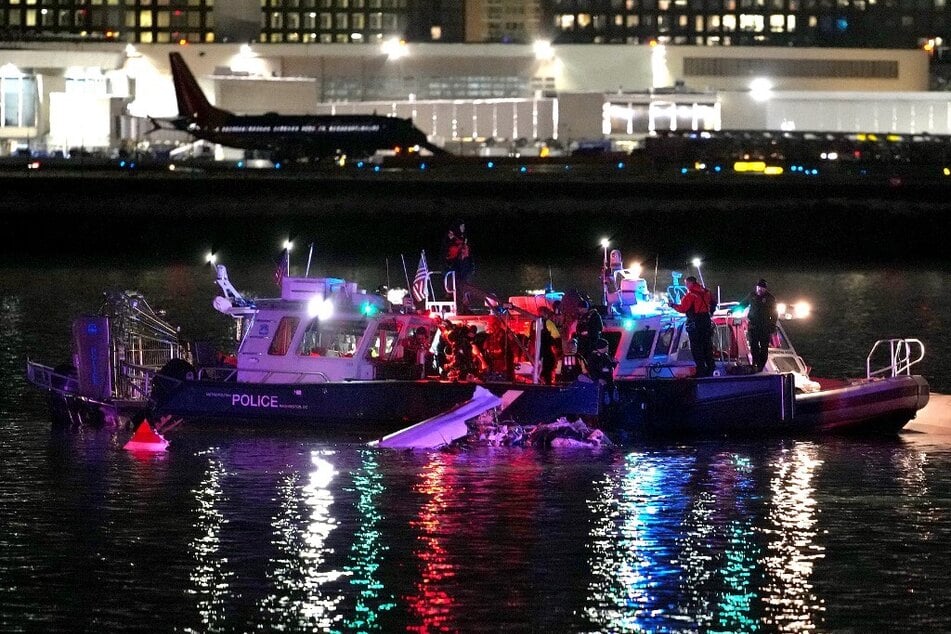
192 103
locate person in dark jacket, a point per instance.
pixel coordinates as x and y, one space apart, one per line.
459 260
589 329
601 370
697 304
762 318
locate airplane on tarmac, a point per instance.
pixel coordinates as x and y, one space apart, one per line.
286 137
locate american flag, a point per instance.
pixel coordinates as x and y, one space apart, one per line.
281 270
419 282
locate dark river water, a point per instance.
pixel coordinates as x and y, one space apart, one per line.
241 530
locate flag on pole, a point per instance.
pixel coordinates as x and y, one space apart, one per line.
281 270
419 282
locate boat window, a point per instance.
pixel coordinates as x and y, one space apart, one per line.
614 339
384 341
786 363
664 339
283 336
332 337
779 340
724 344
641 342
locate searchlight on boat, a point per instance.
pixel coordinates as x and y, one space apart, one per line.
799 310
320 307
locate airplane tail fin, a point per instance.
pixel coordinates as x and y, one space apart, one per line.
192 103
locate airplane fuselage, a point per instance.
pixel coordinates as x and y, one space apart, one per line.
314 136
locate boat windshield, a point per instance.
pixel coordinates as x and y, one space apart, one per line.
664 340
332 337
641 343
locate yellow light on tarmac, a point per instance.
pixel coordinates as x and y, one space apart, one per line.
749 166
946 171
773 170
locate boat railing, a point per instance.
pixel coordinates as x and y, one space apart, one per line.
47 378
135 381
218 373
902 354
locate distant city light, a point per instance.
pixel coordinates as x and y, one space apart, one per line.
543 50
9 70
394 48
761 89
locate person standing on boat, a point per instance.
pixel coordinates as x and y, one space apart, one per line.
601 370
416 351
761 319
590 327
697 304
459 261
550 340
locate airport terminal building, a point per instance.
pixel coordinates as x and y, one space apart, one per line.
101 95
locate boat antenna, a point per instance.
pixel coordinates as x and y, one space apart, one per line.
696 262
387 260
551 283
656 263
310 254
405 273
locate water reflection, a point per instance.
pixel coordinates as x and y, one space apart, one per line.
209 580
687 542
11 355
432 605
789 597
304 593
633 540
367 550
